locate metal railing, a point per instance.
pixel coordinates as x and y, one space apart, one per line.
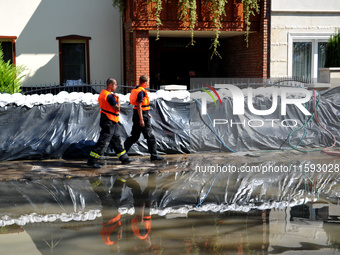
195 84
56 88
198 83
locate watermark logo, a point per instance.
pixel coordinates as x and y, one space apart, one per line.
239 100
213 90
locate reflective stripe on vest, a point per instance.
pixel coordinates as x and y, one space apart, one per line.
106 108
145 102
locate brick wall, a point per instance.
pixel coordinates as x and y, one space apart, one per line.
136 56
238 60
251 61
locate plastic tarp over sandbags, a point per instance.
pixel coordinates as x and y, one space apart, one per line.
69 128
221 130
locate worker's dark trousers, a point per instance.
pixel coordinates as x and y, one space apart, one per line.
146 130
108 133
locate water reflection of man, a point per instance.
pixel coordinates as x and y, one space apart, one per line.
111 231
117 228
141 223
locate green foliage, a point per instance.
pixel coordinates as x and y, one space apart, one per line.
217 10
10 76
157 11
187 12
250 7
333 51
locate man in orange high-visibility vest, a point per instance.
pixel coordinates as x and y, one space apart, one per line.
141 118
109 117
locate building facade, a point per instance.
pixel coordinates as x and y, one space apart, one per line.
172 60
299 34
87 41
62 41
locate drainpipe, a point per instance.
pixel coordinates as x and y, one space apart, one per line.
122 50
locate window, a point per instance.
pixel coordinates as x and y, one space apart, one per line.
306 54
74 59
8 48
302 54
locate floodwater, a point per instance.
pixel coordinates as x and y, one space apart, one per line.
260 232
176 211
125 215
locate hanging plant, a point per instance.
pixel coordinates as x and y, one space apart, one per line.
250 7
187 13
217 11
157 12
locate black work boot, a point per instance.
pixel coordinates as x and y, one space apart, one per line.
156 157
152 150
125 159
93 162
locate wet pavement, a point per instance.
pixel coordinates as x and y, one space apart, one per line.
203 162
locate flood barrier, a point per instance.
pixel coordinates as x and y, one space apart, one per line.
70 130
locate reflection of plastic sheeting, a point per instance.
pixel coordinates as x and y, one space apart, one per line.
47 200
179 192
70 130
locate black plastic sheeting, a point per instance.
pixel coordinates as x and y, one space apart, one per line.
162 193
70 130
254 132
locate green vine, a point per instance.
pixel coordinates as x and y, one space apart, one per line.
250 7
187 13
217 10
157 12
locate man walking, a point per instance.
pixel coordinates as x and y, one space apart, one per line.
141 118
109 117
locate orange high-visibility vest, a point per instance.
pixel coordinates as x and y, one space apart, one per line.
147 224
106 108
108 228
145 102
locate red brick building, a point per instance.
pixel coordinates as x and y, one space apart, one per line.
169 59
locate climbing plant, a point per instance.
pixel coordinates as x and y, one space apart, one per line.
187 14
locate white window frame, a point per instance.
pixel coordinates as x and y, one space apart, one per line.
315 38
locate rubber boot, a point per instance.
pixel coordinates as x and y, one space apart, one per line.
152 150
125 159
93 162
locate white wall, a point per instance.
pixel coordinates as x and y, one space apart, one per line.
312 19
37 23
306 5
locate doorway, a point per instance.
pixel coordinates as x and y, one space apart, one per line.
174 61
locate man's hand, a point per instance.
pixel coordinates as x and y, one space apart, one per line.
141 123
